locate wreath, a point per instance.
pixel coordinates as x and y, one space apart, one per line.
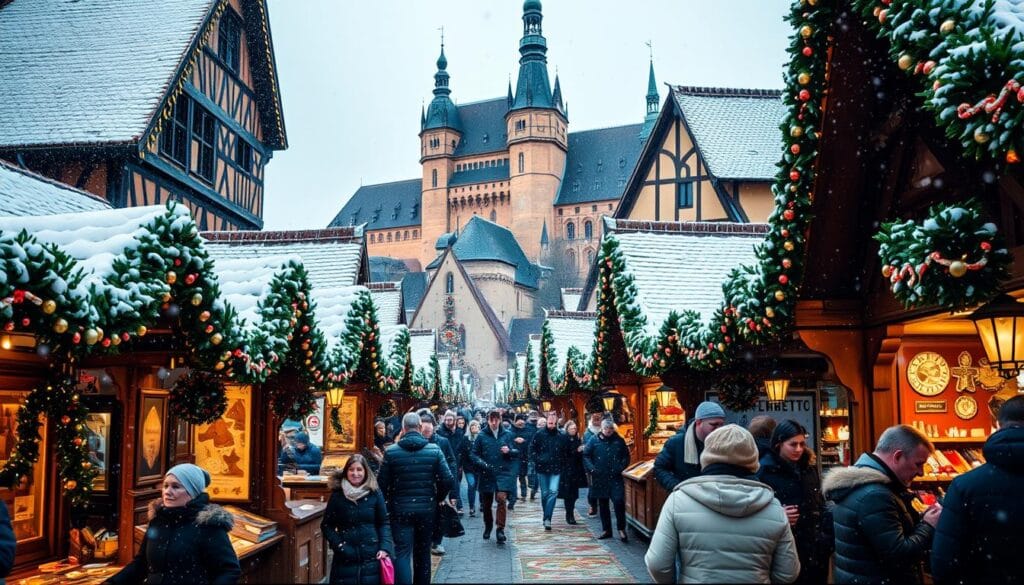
198 397
738 394
652 425
953 259
387 409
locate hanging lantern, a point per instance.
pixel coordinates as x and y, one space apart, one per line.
777 386
1000 325
334 396
665 395
609 402
546 405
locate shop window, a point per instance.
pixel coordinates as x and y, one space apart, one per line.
449 283
588 230
684 195
570 231
229 39
25 503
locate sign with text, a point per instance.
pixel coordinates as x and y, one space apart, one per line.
799 406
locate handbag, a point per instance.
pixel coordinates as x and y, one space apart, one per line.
451 526
387 571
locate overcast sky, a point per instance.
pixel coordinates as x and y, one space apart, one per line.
354 75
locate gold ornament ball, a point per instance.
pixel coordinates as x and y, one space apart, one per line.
804 78
60 326
769 312
216 338
947 26
887 271
957 269
115 339
141 331
91 337
721 347
197 299
71 484
905 61
218 366
788 245
806 31
796 131
172 277
980 136
166 297
49 307
780 296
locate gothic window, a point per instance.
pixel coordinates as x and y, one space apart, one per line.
174 139
570 231
229 39
494 215
449 283
433 178
684 195
522 162
588 230
415 233
204 131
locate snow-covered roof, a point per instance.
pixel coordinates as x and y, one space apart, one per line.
569 330
533 348
389 336
332 308
89 72
23 192
571 298
387 298
332 257
244 282
736 130
679 266
421 346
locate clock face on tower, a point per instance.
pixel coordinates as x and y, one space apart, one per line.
928 373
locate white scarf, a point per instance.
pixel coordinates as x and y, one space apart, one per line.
352 492
594 430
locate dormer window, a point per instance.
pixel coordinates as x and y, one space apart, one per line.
622 163
576 186
600 165
415 211
485 138
229 39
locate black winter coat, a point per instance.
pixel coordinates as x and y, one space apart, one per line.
355 532
457 438
465 461
797 484
574 476
497 470
670 466
879 537
979 533
526 433
547 451
414 477
450 458
605 458
184 545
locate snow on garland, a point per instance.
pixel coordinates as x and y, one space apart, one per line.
759 301
198 397
969 60
954 258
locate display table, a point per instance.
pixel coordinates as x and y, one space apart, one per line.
93 574
644 497
305 487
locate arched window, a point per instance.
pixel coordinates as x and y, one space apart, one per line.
571 258
449 283
590 257
415 233
494 215
405 235
433 178
522 162
389 236
570 231
588 230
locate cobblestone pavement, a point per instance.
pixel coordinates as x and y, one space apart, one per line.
567 554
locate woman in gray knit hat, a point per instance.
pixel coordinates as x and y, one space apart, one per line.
187 539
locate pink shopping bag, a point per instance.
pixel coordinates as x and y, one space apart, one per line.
387 572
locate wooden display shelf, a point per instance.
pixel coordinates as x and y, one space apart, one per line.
959 440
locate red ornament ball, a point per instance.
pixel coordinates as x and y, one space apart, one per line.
805 95
65 419
191 278
794 175
784 233
125 336
787 263
106 342
795 149
77 442
986 246
807 51
76 338
788 215
783 279
26 322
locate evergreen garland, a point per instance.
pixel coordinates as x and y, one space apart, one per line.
198 397
652 424
953 259
738 393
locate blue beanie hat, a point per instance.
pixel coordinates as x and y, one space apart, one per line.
192 477
709 410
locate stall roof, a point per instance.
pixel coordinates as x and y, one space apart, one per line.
568 329
387 298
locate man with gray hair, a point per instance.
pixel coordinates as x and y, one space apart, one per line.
679 459
880 537
414 479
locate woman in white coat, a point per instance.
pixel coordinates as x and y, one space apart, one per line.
725 526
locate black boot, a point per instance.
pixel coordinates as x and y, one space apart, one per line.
501 536
487 532
570 517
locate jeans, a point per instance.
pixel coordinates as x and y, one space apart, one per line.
471 489
548 492
522 480
486 501
412 548
606 513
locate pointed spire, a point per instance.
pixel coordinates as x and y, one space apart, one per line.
544 235
653 102
556 95
511 99
423 116
442 112
533 89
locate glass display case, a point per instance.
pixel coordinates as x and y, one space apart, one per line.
834 425
671 417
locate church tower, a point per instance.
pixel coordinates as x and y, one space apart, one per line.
653 105
537 127
440 133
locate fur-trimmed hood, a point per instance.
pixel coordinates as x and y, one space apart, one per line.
206 514
839 482
334 480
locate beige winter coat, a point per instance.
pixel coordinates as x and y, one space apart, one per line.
726 530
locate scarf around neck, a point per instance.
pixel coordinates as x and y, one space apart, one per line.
352 492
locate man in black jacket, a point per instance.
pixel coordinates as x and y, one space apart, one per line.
679 459
415 479
547 453
978 537
880 538
497 459
456 437
428 432
523 434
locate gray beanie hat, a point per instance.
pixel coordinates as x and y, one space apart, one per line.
192 477
709 410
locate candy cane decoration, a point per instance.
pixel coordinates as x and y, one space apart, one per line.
992 104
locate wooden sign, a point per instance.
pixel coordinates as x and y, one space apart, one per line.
928 406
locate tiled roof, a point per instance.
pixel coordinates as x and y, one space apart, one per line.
413 286
736 130
486 240
519 331
569 329
599 163
499 172
332 257
89 72
26 193
483 127
680 266
383 206
387 298
385 269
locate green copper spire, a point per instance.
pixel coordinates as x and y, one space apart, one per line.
442 112
533 88
556 97
653 104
